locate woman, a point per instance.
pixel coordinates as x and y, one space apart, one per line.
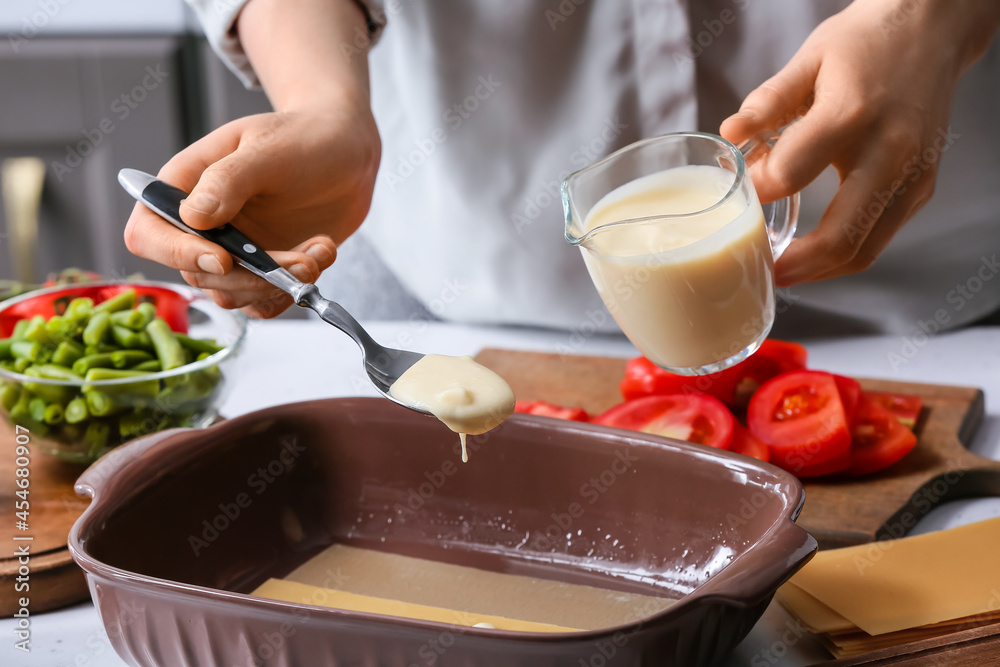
484 107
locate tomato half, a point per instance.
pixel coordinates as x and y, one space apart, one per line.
170 305
850 394
800 417
551 410
699 419
747 444
733 386
905 407
879 439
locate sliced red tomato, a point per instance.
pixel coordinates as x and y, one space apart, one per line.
800 417
699 419
746 443
170 305
905 407
879 439
733 386
551 410
837 464
850 394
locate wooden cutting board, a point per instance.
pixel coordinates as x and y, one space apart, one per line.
837 513
55 580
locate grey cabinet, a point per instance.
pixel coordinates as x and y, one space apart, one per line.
90 106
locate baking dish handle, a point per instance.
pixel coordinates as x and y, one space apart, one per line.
117 461
781 554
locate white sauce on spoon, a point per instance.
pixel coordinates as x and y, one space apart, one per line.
467 397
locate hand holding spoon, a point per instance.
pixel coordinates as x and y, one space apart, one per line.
384 365
464 395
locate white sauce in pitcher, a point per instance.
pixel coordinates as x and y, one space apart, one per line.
466 396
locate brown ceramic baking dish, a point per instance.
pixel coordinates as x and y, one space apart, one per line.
185 523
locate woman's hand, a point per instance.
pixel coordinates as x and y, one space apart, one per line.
298 181
874 86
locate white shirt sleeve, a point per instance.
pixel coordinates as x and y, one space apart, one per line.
218 18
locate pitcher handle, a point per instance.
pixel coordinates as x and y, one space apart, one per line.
781 217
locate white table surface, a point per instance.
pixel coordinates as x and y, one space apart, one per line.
277 370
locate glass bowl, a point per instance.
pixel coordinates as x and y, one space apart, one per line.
188 396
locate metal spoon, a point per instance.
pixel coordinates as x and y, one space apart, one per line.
383 364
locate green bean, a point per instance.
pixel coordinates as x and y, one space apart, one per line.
54 414
38 332
21 365
21 414
121 301
99 349
130 319
100 404
198 345
53 372
36 409
128 358
9 395
131 339
101 374
168 349
97 435
136 424
211 375
58 328
152 366
71 432
148 388
21 410
148 311
67 353
191 388
20 328
79 309
53 393
5 345
26 349
101 360
76 410
97 328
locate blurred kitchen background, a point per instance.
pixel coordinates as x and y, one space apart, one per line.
88 87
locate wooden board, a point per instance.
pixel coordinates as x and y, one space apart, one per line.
837 513
55 580
842 513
